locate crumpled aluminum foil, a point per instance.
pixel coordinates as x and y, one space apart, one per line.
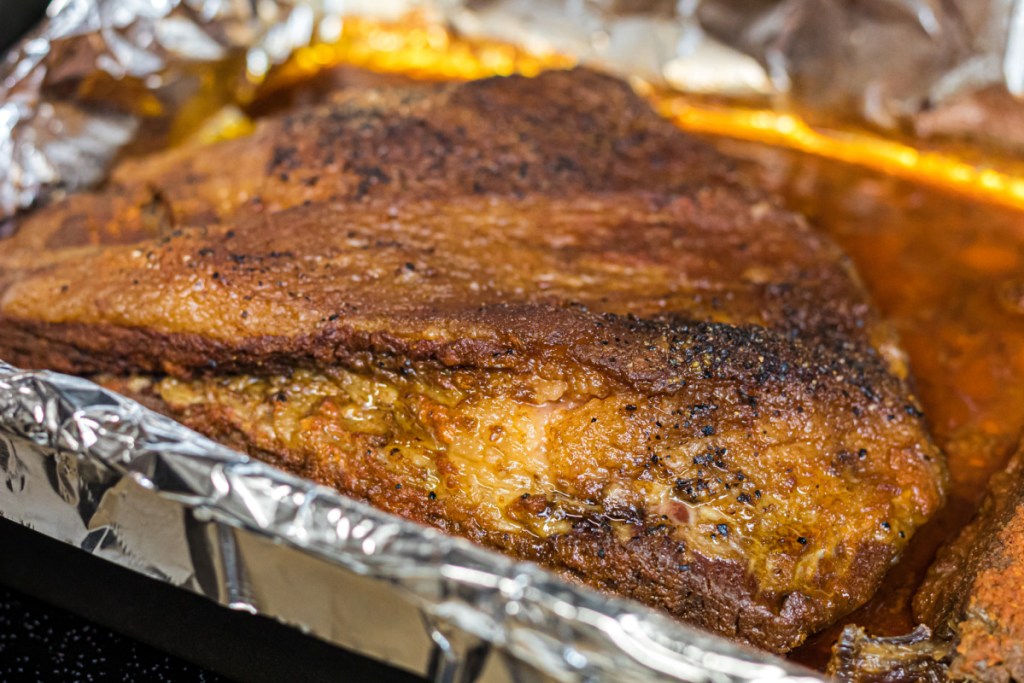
952 68
98 74
948 69
96 470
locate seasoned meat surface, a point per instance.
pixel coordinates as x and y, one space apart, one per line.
972 623
972 594
916 657
626 365
562 133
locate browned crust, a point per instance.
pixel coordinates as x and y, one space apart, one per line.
972 624
292 286
622 253
750 373
560 133
674 354
654 566
972 594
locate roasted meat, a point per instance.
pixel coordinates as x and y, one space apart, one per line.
562 133
972 621
916 657
527 312
972 594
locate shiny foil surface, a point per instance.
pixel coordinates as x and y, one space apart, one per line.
943 69
96 470
102 75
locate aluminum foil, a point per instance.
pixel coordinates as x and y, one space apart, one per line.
96 470
100 75
929 67
946 68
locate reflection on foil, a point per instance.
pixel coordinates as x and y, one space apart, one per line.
101 472
950 68
100 75
661 41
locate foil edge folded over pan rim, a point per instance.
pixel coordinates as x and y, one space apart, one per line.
465 593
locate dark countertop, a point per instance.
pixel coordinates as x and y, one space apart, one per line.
18 17
39 642
99 601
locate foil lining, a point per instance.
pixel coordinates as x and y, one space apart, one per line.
96 470
935 68
101 75
928 67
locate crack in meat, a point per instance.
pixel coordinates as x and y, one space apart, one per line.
971 595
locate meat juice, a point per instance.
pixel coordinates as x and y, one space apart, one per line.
945 269
948 272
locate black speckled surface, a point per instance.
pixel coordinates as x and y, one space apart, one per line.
42 643
168 627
